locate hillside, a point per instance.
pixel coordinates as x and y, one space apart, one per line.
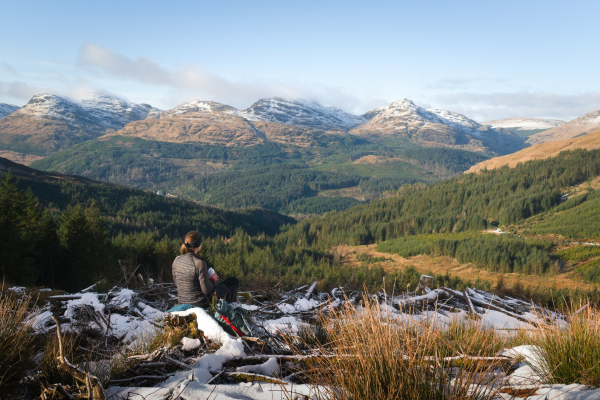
524 126
23 171
589 141
66 232
334 171
427 128
49 123
131 210
450 227
574 128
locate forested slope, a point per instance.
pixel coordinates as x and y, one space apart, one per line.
466 202
341 170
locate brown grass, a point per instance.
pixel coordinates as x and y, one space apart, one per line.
542 151
569 354
17 342
375 356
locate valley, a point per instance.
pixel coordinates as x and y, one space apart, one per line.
391 177
302 151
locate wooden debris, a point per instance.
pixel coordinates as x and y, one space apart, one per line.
249 377
93 388
521 393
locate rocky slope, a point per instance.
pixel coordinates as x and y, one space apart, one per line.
428 128
215 128
6 109
543 150
578 126
48 123
524 126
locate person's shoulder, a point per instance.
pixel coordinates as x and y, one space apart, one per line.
198 260
187 255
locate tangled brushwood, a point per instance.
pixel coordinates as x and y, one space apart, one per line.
428 344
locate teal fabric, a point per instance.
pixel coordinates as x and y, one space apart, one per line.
181 307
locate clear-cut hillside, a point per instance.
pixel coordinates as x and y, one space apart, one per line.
300 112
428 128
541 151
578 126
49 123
6 109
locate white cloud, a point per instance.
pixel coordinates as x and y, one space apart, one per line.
487 106
22 91
195 82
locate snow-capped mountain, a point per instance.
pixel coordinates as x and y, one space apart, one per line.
93 110
524 123
578 126
405 112
433 127
300 112
112 111
6 109
291 112
48 123
196 106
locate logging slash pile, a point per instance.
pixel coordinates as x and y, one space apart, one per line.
124 345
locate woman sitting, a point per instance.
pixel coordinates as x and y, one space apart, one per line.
195 286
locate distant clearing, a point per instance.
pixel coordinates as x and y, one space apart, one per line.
442 265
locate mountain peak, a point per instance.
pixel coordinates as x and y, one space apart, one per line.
404 103
300 112
194 106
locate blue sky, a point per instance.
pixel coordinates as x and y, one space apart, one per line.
486 59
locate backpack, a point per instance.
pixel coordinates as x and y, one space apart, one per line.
233 318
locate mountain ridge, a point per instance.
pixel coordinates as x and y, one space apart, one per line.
49 123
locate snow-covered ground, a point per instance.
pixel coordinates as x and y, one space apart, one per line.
132 319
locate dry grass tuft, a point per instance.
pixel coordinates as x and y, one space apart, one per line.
17 342
377 356
569 354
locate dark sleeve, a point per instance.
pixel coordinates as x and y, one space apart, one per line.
206 284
